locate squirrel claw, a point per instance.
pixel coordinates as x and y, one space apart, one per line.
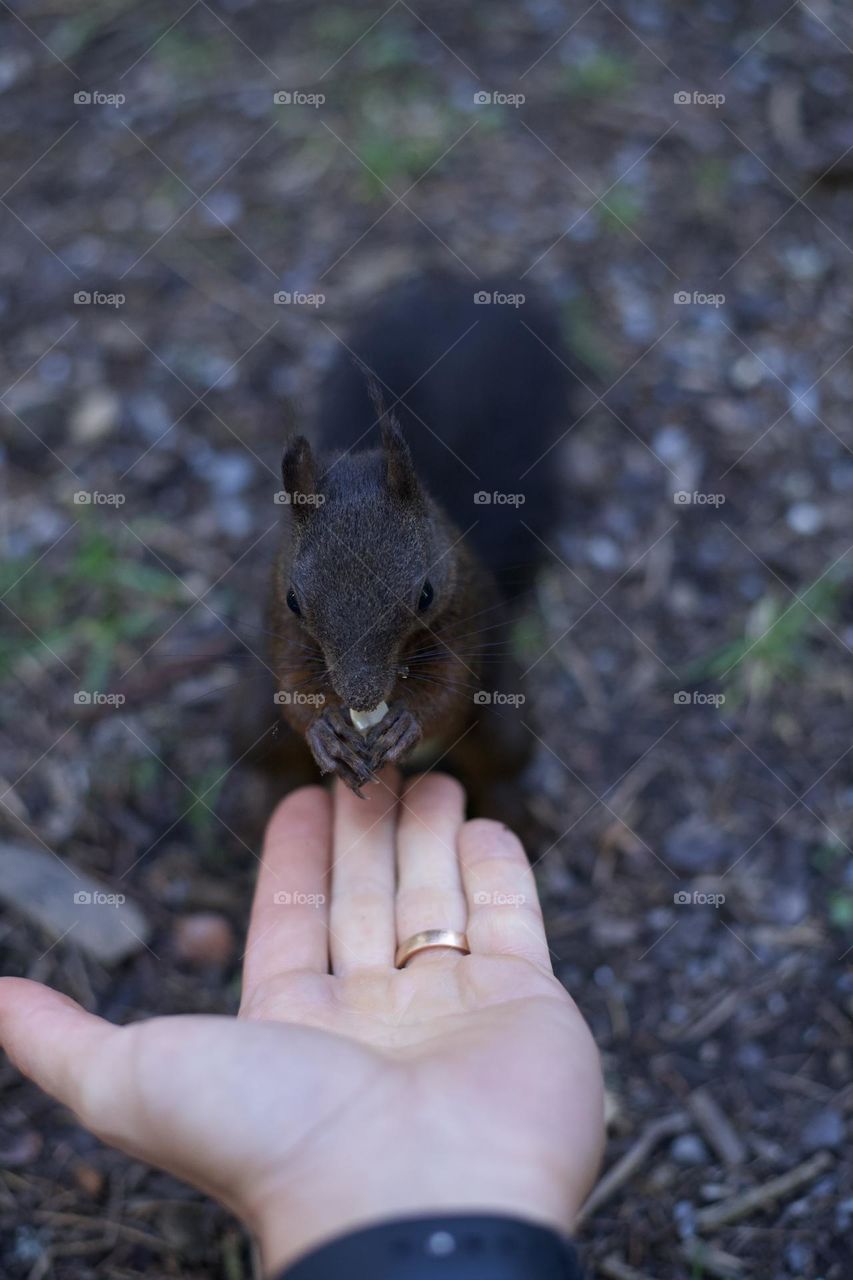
393 737
339 749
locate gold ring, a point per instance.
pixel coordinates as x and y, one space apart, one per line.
428 939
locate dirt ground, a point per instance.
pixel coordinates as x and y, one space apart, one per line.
678 180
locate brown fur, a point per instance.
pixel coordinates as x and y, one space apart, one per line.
362 536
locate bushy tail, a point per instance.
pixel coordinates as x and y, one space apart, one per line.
483 397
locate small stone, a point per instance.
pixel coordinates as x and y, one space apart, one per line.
689 1149
804 403
69 905
221 207
728 415
95 416
711 1191
603 552
805 261
228 471
671 443
150 414
750 1056
684 1215
787 904
841 476
12 67
55 369
747 373
804 518
695 844
20 1150
799 1258
204 938
88 1178
826 1129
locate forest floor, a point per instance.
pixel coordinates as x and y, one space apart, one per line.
679 182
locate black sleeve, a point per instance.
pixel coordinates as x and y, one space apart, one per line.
442 1247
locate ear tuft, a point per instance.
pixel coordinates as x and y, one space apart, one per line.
402 479
299 475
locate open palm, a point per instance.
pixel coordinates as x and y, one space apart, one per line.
346 1090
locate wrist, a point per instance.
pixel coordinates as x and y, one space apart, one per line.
454 1246
292 1222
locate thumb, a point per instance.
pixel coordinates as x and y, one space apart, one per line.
53 1041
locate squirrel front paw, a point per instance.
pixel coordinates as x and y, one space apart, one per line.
396 734
339 748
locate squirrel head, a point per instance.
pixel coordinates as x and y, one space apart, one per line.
371 562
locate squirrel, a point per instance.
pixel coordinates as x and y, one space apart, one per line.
411 524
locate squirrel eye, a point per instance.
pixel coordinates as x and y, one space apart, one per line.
426 596
293 603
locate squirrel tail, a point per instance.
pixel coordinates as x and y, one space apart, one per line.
479 382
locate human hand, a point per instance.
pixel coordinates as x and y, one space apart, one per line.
337 1099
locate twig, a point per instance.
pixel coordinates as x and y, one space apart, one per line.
665 1127
717 1127
615 1269
799 1084
719 1215
133 1234
709 1261
710 1021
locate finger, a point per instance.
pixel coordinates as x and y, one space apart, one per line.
504 915
288 928
429 884
57 1044
361 915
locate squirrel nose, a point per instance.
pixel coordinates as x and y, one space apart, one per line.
361 688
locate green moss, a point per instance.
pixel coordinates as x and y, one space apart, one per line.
85 607
775 646
598 76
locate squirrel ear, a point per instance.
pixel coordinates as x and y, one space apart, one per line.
298 473
402 478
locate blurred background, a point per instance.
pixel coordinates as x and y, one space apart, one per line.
678 181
